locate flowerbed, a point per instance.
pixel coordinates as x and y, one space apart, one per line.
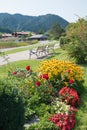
63 73
52 93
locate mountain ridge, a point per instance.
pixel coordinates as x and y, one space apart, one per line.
19 22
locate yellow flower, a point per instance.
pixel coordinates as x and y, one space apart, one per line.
66 84
55 67
33 86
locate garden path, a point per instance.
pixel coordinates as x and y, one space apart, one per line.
24 55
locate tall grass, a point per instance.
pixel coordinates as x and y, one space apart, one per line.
12 44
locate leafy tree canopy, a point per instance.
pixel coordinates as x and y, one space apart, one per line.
56 30
77 35
77 30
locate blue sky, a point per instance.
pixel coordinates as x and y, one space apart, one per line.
68 9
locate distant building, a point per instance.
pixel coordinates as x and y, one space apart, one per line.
6 35
19 34
38 37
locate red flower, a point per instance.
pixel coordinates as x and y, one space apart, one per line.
73 109
71 81
27 67
45 76
70 95
14 72
68 71
38 83
62 123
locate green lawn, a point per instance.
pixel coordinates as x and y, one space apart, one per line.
27 47
14 50
19 64
61 55
82 111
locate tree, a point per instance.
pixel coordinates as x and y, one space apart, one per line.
0 35
41 31
77 35
77 30
5 30
56 31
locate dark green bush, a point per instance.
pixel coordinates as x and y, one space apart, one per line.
11 108
78 50
63 41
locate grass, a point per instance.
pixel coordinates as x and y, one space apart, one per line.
18 64
20 47
26 47
61 55
12 44
82 111
15 50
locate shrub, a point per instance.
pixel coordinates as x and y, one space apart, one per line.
77 47
29 113
43 109
11 108
34 82
61 72
78 50
63 41
43 125
30 106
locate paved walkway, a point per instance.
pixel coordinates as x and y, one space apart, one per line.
24 55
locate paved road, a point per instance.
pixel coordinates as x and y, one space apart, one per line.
24 55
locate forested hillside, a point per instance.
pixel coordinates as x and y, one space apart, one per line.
19 22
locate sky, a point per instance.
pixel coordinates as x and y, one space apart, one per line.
70 10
